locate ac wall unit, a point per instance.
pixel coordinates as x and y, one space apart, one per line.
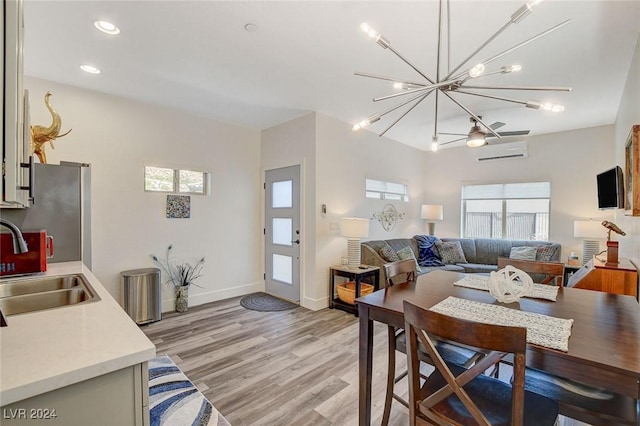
503 151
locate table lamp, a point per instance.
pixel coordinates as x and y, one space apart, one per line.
590 231
431 212
354 228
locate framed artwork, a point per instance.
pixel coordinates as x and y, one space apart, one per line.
632 173
178 206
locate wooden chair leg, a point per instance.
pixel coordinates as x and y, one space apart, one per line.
391 371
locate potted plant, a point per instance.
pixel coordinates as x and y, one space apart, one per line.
181 275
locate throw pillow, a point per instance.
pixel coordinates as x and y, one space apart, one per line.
451 252
406 253
545 253
427 251
388 254
523 253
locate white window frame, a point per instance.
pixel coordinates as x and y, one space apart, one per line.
382 190
176 181
505 192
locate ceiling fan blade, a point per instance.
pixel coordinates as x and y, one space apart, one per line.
455 140
497 125
513 133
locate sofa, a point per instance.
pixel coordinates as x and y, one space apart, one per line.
481 254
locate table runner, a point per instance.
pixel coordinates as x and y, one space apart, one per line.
542 330
538 291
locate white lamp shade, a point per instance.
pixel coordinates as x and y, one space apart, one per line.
589 229
431 212
354 227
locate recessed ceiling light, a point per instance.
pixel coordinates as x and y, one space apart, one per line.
107 27
90 69
250 27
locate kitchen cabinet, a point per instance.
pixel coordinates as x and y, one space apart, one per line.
16 136
117 398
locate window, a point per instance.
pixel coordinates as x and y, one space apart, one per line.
514 211
172 180
381 190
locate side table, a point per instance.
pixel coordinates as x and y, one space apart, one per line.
354 274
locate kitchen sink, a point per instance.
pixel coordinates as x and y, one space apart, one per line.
24 295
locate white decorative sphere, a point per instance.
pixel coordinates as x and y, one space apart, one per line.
508 285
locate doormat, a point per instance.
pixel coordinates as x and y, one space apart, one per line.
264 302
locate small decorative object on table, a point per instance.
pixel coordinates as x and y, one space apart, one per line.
508 285
181 275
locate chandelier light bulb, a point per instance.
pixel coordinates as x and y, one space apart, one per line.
397 85
512 68
366 122
434 144
366 28
477 70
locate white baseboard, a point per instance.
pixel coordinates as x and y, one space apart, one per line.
315 304
212 296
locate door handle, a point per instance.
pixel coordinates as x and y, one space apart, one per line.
296 241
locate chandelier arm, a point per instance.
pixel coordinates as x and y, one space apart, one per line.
477 118
499 98
475 52
540 88
382 114
529 40
448 36
406 61
382 77
422 98
435 122
455 140
420 89
452 134
439 43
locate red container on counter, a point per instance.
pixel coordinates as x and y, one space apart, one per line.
34 261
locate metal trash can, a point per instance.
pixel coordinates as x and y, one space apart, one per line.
140 294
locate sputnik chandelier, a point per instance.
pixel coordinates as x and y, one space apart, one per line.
456 81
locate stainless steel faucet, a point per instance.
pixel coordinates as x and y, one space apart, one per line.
19 244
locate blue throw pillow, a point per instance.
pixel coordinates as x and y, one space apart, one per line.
427 252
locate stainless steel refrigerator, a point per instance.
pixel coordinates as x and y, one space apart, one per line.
62 207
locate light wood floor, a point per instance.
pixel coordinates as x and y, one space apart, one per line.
296 367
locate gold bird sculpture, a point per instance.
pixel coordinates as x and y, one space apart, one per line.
40 135
612 227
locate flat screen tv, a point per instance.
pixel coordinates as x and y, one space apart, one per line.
611 189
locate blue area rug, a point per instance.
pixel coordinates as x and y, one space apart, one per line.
175 401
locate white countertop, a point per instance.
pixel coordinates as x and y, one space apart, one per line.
47 350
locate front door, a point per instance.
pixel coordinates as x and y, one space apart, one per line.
282 232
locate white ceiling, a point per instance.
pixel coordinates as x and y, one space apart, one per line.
197 57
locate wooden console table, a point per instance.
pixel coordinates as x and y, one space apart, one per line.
618 278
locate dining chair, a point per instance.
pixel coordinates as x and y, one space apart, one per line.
543 272
455 395
404 271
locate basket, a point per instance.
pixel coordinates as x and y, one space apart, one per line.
347 291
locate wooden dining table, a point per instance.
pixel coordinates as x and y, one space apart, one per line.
604 346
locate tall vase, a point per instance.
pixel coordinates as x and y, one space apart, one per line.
182 299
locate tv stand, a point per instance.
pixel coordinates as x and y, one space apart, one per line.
618 278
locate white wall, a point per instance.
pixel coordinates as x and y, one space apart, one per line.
288 144
628 115
344 160
118 137
569 160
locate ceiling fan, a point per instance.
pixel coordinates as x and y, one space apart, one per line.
478 136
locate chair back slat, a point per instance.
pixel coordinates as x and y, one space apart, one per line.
401 271
552 271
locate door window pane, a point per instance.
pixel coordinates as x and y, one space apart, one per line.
282 268
282 194
282 231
